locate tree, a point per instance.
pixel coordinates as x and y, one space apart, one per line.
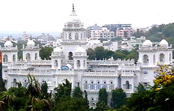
101 106
91 54
71 104
100 53
2 86
159 97
63 90
118 98
77 93
45 52
140 88
20 44
103 96
44 89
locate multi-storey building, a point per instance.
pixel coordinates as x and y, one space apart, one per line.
124 32
69 61
99 32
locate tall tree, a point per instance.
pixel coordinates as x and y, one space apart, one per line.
103 95
118 98
77 93
63 90
44 89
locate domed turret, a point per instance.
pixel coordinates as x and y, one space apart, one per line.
8 44
147 43
163 43
30 43
80 49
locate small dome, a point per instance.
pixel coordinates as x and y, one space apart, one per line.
30 43
163 43
57 49
80 49
147 43
69 66
8 44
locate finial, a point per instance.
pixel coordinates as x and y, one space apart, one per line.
73 7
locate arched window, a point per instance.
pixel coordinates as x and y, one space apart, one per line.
35 56
92 85
127 85
5 58
111 86
145 59
154 59
28 56
70 56
55 63
85 84
76 36
14 58
78 63
162 57
104 85
70 36
98 85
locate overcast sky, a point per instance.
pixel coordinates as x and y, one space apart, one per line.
50 15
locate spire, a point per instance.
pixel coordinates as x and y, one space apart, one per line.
73 11
73 8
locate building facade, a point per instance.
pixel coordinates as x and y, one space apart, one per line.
69 61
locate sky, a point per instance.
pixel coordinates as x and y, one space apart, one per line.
50 15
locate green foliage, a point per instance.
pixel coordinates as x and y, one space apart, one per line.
103 96
101 106
159 97
20 44
156 33
91 54
45 52
63 90
100 53
77 93
44 89
118 98
2 86
71 104
140 88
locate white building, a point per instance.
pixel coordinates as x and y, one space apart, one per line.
69 61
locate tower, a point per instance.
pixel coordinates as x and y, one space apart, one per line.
80 58
73 29
31 52
9 53
57 58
